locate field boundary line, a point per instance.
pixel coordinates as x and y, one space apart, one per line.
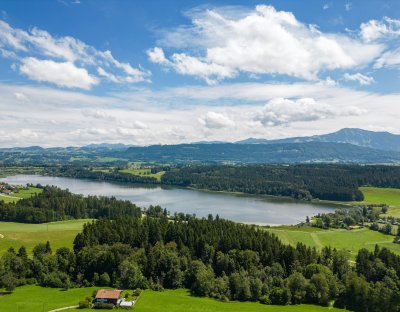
65 308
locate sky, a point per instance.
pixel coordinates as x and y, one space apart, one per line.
77 72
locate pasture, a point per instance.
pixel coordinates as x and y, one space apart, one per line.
388 196
144 172
349 240
32 298
59 234
35 298
180 300
22 193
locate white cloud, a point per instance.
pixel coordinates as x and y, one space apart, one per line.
327 6
156 55
20 96
390 58
213 120
360 78
261 41
171 115
64 74
281 111
374 30
348 6
37 43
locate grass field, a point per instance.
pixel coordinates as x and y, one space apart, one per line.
59 234
39 299
21 194
388 196
144 172
350 240
179 300
376 195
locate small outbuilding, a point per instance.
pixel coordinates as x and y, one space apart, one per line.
108 296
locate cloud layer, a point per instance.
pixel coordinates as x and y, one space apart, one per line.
70 62
259 41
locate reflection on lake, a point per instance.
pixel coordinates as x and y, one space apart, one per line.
240 208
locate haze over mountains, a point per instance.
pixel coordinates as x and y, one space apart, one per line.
344 146
378 140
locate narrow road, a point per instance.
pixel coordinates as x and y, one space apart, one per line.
65 308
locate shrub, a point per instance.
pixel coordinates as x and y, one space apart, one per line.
265 300
137 292
84 304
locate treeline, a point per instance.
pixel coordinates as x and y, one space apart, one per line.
86 173
55 204
211 257
328 182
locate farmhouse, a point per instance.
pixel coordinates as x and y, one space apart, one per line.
8 192
108 296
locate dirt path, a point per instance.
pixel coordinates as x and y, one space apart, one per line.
316 240
65 308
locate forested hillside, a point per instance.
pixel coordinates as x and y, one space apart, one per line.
330 182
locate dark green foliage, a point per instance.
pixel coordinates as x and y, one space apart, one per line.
54 204
331 182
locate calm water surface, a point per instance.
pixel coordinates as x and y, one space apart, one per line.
247 209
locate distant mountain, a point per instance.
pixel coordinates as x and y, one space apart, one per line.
305 152
377 140
116 146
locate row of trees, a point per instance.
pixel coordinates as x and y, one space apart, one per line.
330 182
54 204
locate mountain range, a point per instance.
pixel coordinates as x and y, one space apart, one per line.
344 146
377 140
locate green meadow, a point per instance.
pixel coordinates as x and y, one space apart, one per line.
144 172
180 300
388 196
59 234
38 299
349 240
32 298
22 193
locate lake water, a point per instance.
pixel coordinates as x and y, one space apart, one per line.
260 210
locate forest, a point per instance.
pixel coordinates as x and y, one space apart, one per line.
211 257
323 181
55 204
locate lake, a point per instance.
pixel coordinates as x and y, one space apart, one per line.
260 210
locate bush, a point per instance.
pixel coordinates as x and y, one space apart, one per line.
137 292
84 304
105 306
265 300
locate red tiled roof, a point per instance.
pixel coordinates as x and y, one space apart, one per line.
108 294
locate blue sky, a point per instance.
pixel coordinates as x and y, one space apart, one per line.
148 72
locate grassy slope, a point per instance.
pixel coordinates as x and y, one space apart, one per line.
21 194
39 299
144 172
179 300
59 234
351 241
389 196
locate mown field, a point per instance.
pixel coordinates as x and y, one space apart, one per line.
59 234
388 196
144 172
38 299
180 300
21 194
349 240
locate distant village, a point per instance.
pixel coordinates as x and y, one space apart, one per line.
8 189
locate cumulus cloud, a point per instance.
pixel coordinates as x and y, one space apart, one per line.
63 74
281 111
37 43
213 120
260 41
374 30
389 59
360 78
